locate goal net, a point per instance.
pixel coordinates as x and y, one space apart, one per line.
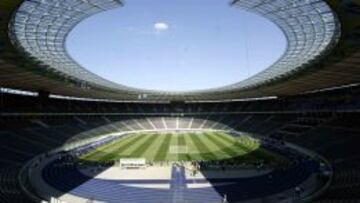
135 163
178 149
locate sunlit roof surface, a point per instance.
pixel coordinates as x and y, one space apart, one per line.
40 28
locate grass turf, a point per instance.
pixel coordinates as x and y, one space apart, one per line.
200 146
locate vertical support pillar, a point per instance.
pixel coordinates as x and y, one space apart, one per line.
43 99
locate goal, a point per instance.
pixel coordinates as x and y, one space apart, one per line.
178 149
135 163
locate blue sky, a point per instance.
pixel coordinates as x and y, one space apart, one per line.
176 45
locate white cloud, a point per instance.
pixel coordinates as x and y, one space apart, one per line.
160 26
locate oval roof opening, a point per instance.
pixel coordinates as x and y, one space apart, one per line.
176 45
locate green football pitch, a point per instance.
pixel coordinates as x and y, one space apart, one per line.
180 146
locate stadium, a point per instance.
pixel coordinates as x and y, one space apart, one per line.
289 133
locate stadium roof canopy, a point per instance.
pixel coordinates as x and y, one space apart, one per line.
322 51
